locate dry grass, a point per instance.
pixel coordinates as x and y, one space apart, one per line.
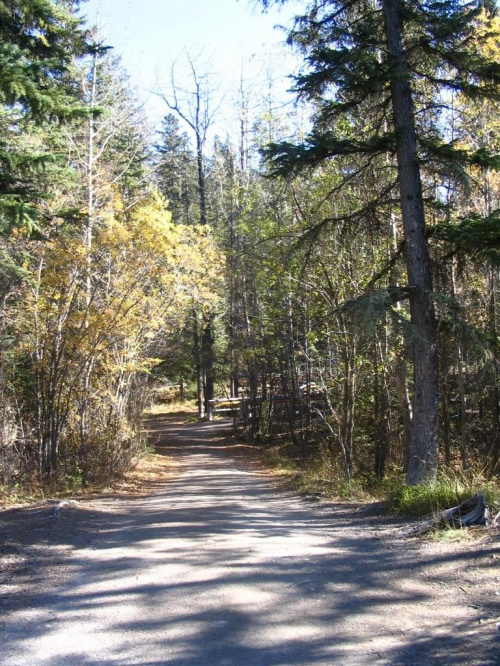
150 473
175 407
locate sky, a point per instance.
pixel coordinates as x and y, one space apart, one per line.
232 36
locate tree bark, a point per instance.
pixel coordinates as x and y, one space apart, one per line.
207 344
198 365
423 461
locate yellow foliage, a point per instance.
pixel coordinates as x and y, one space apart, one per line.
93 313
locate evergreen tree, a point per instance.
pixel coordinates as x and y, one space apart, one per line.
399 58
39 41
176 175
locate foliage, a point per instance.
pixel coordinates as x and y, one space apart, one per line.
448 491
40 42
40 39
87 349
176 175
294 293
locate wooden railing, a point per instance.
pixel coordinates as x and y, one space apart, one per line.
279 405
230 406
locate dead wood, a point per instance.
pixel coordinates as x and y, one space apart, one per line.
474 511
61 504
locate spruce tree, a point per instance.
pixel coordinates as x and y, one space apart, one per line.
39 42
176 171
399 58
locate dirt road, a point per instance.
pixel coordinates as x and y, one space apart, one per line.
221 567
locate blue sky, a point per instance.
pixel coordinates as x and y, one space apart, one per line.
150 34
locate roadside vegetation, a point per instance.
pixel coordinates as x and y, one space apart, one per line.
319 476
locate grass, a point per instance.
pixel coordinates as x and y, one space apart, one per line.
449 490
320 476
323 476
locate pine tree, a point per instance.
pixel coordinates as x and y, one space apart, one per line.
40 39
39 42
176 172
398 58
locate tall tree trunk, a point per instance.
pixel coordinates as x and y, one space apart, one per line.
461 362
495 394
446 412
400 370
201 179
461 365
198 365
348 354
88 242
381 406
422 465
207 344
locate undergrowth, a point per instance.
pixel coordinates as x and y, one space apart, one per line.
322 475
449 490
65 484
319 475
22 491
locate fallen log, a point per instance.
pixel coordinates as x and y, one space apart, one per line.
474 511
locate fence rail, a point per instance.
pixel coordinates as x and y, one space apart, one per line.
231 406
282 407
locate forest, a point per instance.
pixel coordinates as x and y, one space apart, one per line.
335 267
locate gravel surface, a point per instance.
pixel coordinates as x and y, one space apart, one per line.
222 567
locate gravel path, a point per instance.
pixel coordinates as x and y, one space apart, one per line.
221 567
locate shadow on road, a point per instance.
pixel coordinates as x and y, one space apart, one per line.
223 569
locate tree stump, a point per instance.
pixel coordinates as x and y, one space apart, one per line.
474 511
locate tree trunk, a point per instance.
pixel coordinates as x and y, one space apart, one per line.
400 370
198 367
201 178
405 407
381 407
348 402
207 345
446 419
495 393
422 465
88 244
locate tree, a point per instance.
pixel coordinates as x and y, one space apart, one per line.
397 58
176 171
145 271
40 41
195 106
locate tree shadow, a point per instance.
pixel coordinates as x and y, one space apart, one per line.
222 569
